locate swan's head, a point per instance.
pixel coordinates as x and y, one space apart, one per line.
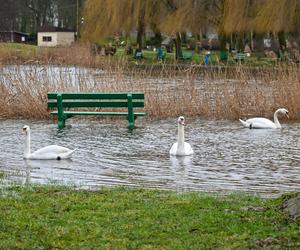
26 129
181 120
283 111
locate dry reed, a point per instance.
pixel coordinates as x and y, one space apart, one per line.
228 93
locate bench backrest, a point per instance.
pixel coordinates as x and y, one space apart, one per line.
187 55
103 100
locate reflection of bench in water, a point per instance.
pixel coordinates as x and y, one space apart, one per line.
63 102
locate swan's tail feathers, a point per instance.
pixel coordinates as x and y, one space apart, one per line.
245 124
66 155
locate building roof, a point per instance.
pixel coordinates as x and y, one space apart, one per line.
12 31
47 28
166 41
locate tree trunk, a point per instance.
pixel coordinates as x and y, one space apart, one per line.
275 44
258 40
157 35
223 48
141 29
178 50
139 39
240 41
158 39
282 43
198 42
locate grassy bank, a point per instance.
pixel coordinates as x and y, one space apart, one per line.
83 54
77 54
61 218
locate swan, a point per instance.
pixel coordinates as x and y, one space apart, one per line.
52 152
259 122
181 148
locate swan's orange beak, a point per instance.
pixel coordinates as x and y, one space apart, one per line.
286 114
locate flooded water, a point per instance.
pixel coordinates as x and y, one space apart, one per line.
227 157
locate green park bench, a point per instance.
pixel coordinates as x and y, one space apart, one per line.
138 55
240 57
64 101
160 54
186 56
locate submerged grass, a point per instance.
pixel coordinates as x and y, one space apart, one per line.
51 217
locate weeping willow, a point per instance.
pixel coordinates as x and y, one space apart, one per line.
107 17
276 16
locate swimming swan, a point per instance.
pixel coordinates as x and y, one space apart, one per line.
181 148
52 152
260 122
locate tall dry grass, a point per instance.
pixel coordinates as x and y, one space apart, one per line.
170 91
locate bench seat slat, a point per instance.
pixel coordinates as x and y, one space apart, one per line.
82 95
87 104
187 56
98 113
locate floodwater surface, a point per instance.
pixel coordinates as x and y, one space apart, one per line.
226 156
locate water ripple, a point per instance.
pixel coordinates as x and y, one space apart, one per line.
227 157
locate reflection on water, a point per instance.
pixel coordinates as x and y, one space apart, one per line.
180 166
227 157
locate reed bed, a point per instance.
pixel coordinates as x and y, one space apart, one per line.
226 93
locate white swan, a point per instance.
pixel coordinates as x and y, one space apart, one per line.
260 122
52 152
181 148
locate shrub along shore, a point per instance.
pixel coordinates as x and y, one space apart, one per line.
53 217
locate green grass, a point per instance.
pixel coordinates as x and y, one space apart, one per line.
27 52
21 46
18 47
149 56
121 218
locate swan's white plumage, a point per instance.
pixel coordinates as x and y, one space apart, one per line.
181 148
187 149
263 123
258 122
52 152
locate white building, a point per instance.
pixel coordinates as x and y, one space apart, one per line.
54 36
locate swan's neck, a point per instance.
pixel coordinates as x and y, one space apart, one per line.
276 121
180 147
27 146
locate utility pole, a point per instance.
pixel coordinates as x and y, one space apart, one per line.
77 21
11 32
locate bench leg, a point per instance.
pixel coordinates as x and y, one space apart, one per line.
131 124
130 112
131 119
60 111
61 123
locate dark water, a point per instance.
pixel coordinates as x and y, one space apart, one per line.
227 157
